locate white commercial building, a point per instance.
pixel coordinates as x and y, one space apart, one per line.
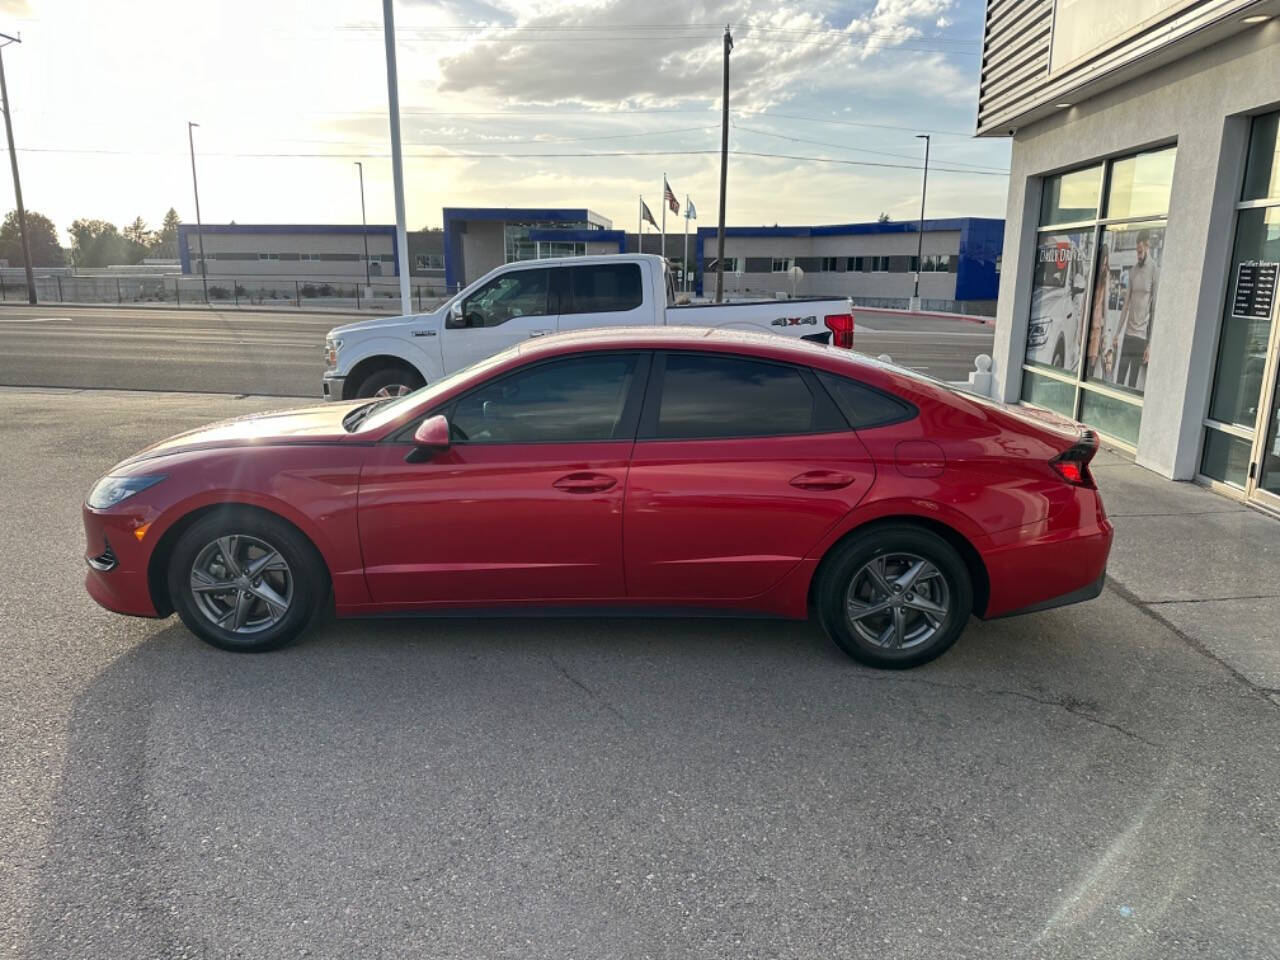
1138 289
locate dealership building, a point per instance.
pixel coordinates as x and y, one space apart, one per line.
874 263
1142 240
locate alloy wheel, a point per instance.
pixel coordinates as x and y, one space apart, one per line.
241 584
392 390
897 601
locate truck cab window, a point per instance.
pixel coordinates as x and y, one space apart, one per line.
521 293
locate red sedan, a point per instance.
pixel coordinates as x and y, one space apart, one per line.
672 470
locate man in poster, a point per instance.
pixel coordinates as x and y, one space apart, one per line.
1133 333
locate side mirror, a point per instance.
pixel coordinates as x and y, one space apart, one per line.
431 436
455 310
457 317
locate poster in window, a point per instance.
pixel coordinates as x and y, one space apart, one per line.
1123 313
1058 296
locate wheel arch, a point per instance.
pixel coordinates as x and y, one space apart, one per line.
372 364
973 562
158 563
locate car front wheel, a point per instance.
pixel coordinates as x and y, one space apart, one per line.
245 581
896 596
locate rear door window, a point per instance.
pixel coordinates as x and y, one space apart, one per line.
605 288
711 396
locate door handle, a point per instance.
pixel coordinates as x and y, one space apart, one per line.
585 482
821 480
538 333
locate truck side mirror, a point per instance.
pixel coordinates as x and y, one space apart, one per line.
457 318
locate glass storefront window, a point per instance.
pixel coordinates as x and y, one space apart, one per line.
1140 185
1242 345
1063 262
1116 418
1226 458
1262 170
1123 309
1052 394
1071 197
1093 294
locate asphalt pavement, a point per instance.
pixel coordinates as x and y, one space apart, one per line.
1084 782
279 353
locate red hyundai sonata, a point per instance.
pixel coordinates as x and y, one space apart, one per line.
671 470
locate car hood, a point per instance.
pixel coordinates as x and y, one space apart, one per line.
313 424
384 325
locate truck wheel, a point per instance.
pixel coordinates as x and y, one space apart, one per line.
390 382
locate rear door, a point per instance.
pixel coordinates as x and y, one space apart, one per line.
603 295
741 465
513 306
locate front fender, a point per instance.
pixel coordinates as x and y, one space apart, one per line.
424 356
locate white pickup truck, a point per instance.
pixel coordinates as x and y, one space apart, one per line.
389 356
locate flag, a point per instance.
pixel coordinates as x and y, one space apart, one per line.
689 212
670 197
645 212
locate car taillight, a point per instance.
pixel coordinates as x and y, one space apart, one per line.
1072 464
841 327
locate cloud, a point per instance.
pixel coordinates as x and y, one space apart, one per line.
600 56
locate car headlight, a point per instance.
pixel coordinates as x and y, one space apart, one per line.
109 491
331 348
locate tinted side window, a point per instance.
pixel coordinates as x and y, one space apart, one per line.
606 287
862 406
521 293
715 396
563 401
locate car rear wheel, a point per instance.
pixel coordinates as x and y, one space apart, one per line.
245 581
896 596
389 382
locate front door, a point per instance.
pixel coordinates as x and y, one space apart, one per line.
525 505
511 307
741 466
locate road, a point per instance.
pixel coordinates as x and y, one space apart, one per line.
278 353
1082 782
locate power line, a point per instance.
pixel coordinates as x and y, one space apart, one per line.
882 153
504 156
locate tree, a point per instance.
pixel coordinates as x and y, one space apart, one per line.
167 236
42 236
883 218
96 243
139 239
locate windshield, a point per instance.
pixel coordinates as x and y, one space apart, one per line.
389 412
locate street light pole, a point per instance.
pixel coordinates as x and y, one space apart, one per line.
195 187
397 160
364 225
17 184
724 166
915 297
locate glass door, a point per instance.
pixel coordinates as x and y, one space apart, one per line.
1265 486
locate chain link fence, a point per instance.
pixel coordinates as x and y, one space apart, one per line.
283 292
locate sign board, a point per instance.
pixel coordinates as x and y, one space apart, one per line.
1082 27
1255 289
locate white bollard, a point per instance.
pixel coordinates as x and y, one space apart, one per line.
980 378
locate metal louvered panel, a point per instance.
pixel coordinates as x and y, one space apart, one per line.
1015 52
1016 84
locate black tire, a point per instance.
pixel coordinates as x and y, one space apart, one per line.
307 580
891 544
393 380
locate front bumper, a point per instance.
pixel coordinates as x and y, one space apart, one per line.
334 387
117 561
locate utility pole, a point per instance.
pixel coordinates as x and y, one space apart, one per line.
397 159
915 297
17 184
724 166
195 187
364 225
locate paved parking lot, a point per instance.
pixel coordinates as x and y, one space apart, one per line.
1082 782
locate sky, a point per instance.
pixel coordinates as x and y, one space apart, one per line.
533 103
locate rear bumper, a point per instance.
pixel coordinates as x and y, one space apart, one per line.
1052 563
333 387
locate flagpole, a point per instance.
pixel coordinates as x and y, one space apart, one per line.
684 264
662 247
640 225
